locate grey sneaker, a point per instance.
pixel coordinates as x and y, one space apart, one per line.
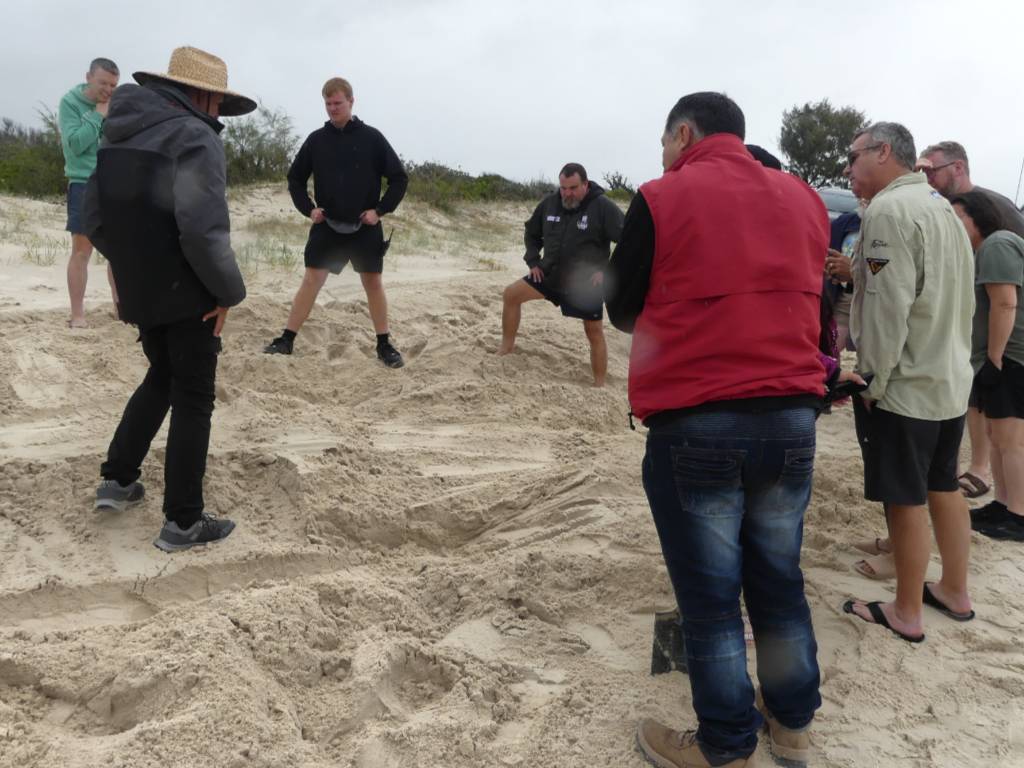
112 495
207 528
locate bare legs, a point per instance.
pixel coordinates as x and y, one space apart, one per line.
1007 439
377 302
78 276
981 453
312 281
513 298
908 527
520 292
598 350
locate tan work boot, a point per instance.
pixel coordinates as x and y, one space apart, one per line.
790 748
666 748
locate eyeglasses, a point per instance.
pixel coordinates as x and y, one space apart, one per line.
851 157
931 171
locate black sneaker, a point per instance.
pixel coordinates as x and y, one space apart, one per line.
1003 526
112 495
279 346
174 538
390 356
994 510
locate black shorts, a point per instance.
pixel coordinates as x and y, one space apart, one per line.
76 195
587 303
327 249
972 400
904 457
1005 400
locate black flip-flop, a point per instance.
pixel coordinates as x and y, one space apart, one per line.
875 609
930 599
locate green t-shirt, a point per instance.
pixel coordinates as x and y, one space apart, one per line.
1000 259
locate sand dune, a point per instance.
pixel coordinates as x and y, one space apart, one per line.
452 564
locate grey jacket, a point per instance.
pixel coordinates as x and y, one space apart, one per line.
156 208
913 300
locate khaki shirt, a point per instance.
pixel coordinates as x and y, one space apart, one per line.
913 302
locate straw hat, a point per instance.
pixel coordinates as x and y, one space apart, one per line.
202 70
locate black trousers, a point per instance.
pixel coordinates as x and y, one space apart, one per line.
182 368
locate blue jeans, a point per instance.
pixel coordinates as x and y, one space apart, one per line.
728 492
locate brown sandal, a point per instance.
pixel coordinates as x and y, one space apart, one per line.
972 486
878 568
873 547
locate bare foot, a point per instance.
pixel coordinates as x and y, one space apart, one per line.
905 625
77 322
598 384
504 349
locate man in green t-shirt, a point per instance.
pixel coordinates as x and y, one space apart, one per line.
81 114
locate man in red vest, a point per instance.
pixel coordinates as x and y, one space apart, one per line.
718 278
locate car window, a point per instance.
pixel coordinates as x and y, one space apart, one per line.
839 201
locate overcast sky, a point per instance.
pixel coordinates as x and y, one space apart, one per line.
519 88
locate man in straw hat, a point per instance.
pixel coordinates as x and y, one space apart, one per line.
156 208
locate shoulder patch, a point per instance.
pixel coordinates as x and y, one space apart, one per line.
876 265
879 244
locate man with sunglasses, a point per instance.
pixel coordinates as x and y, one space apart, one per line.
913 305
948 171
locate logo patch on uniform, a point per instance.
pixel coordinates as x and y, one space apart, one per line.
876 265
879 244
582 223
554 218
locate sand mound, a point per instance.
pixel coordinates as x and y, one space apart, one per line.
452 564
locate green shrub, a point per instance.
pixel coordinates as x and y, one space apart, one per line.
259 147
31 162
444 187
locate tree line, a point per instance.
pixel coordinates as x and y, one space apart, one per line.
260 146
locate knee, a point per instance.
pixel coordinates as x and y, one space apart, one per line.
372 281
510 295
315 278
594 331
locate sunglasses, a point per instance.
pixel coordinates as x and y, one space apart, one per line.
851 157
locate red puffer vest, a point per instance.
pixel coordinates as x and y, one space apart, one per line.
732 310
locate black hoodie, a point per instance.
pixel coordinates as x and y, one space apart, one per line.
156 208
575 242
347 165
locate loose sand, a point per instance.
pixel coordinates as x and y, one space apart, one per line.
452 564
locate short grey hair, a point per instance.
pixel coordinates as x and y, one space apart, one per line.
104 64
897 137
952 151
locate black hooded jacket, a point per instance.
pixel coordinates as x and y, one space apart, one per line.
576 243
347 165
156 208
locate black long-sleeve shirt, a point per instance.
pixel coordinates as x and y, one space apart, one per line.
629 271
347 165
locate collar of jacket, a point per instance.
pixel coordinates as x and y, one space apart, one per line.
178 98
715 144
353 123
903 180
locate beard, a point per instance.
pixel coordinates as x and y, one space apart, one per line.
571 205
